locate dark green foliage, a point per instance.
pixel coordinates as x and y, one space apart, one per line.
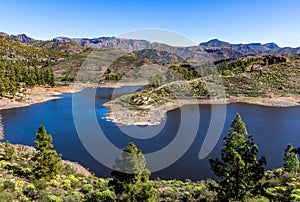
227 66
7 184
16 183
9 151
180 73
282 186
48 161
239 169
291 159
67 78
113 77
50 78
105 195
131 178
86 188
15 75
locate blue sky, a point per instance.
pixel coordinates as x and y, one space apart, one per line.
236 21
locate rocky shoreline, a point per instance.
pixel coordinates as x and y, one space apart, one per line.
155 115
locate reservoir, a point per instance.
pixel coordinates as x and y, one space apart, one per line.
272 128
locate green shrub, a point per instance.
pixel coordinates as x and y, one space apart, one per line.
87 188
7 184
53 198
72 198
75 196
9 151
31 191
54 182
6 196
102 183
40 183
74 181
105 195
67 184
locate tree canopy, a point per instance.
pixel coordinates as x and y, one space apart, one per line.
131 178
291 159
48 161
239 169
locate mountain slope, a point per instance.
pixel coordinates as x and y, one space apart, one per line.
129 45
107 42
14 49
212 50
251 48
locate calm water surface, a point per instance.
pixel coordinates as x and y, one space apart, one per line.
272 128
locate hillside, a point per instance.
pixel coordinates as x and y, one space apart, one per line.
13 49
246 69
271 80
251 76
23 65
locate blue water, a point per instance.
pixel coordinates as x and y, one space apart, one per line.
272 128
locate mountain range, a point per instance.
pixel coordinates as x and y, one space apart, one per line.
216 48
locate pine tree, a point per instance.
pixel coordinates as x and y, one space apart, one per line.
51 77
291 159
48 161
131 178
2 88
239 170
9 151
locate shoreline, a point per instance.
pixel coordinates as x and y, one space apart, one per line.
122 84
34 96
123 116
154 115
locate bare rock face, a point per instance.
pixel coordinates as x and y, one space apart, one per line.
23 38
107 42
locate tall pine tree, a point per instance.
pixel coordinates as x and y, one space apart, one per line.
239 169
48 161
131 178
291 159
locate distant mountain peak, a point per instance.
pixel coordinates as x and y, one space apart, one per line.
23 38
62 39
272 45
216 43
250 48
